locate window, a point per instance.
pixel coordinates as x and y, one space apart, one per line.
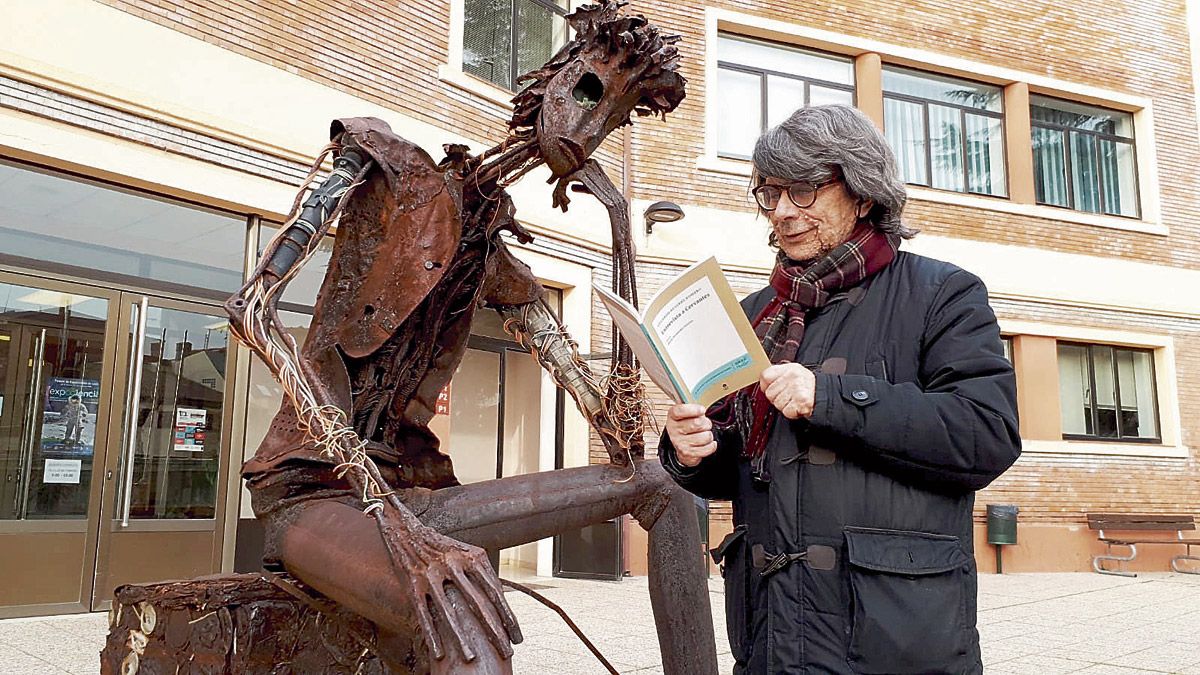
1006 341
1107 392
52 218
946 133
761 84
503 39
1083 157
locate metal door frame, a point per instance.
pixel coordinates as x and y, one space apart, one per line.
116 447
89 525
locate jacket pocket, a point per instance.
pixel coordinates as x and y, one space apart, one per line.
732 555
908 602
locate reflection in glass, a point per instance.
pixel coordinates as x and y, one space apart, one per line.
785 78
1107 392
1074 387
51 364
1049 167
266 394
905 132
475 416
180 407
302 289
56 219
738 120
1099 156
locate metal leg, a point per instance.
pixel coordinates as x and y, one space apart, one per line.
1097 560
1188 556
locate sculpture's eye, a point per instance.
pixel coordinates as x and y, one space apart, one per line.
588 91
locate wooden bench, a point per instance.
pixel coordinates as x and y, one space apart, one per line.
1142 523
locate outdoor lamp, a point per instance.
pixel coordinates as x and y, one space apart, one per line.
661 212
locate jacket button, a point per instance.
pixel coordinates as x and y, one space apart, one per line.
428 264
859 395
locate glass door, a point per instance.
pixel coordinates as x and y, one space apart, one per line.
55 360
162 506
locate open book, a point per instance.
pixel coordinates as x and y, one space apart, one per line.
692 339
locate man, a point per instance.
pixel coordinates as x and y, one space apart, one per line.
852 465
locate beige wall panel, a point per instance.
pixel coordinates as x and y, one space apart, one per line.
1037 387
41 568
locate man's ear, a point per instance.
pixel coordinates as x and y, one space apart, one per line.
864 208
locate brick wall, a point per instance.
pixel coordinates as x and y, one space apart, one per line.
385 52
1128 46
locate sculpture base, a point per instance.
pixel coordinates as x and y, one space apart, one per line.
244 623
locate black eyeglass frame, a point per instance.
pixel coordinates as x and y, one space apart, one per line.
811 189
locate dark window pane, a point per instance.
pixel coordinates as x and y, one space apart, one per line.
1085 168
1135 375
1049 167
540 33
487 40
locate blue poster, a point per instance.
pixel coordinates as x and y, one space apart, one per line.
69 416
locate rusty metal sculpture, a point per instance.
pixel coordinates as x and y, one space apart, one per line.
418 250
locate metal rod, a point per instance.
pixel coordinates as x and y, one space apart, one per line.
131 409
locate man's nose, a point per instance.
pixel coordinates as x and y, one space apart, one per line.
786 208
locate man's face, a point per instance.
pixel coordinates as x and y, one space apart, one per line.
807 233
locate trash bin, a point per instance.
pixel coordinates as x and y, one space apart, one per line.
1001 529
1002 524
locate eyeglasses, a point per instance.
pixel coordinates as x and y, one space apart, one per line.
802 193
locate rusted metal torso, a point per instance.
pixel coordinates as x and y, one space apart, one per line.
412 261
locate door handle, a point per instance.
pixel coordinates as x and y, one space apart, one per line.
132 401
31 409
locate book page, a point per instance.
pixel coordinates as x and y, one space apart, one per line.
703 344
628 323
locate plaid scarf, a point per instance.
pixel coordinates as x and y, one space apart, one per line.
799 288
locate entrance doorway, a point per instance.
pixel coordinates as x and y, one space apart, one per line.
113 434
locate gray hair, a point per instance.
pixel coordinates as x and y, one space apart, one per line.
817 143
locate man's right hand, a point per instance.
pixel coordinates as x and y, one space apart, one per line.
690 432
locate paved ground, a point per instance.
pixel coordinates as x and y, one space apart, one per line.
1034 624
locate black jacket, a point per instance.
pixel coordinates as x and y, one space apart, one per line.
871 496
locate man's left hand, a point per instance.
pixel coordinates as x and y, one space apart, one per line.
791 388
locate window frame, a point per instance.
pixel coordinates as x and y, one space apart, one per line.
962 118
1095 137
1093 407
513 73
763 73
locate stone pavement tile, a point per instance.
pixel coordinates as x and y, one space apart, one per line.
1096 651
1103 669
17 662
542 661
1164 657
639 652
1001 630
1037 665
992 654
